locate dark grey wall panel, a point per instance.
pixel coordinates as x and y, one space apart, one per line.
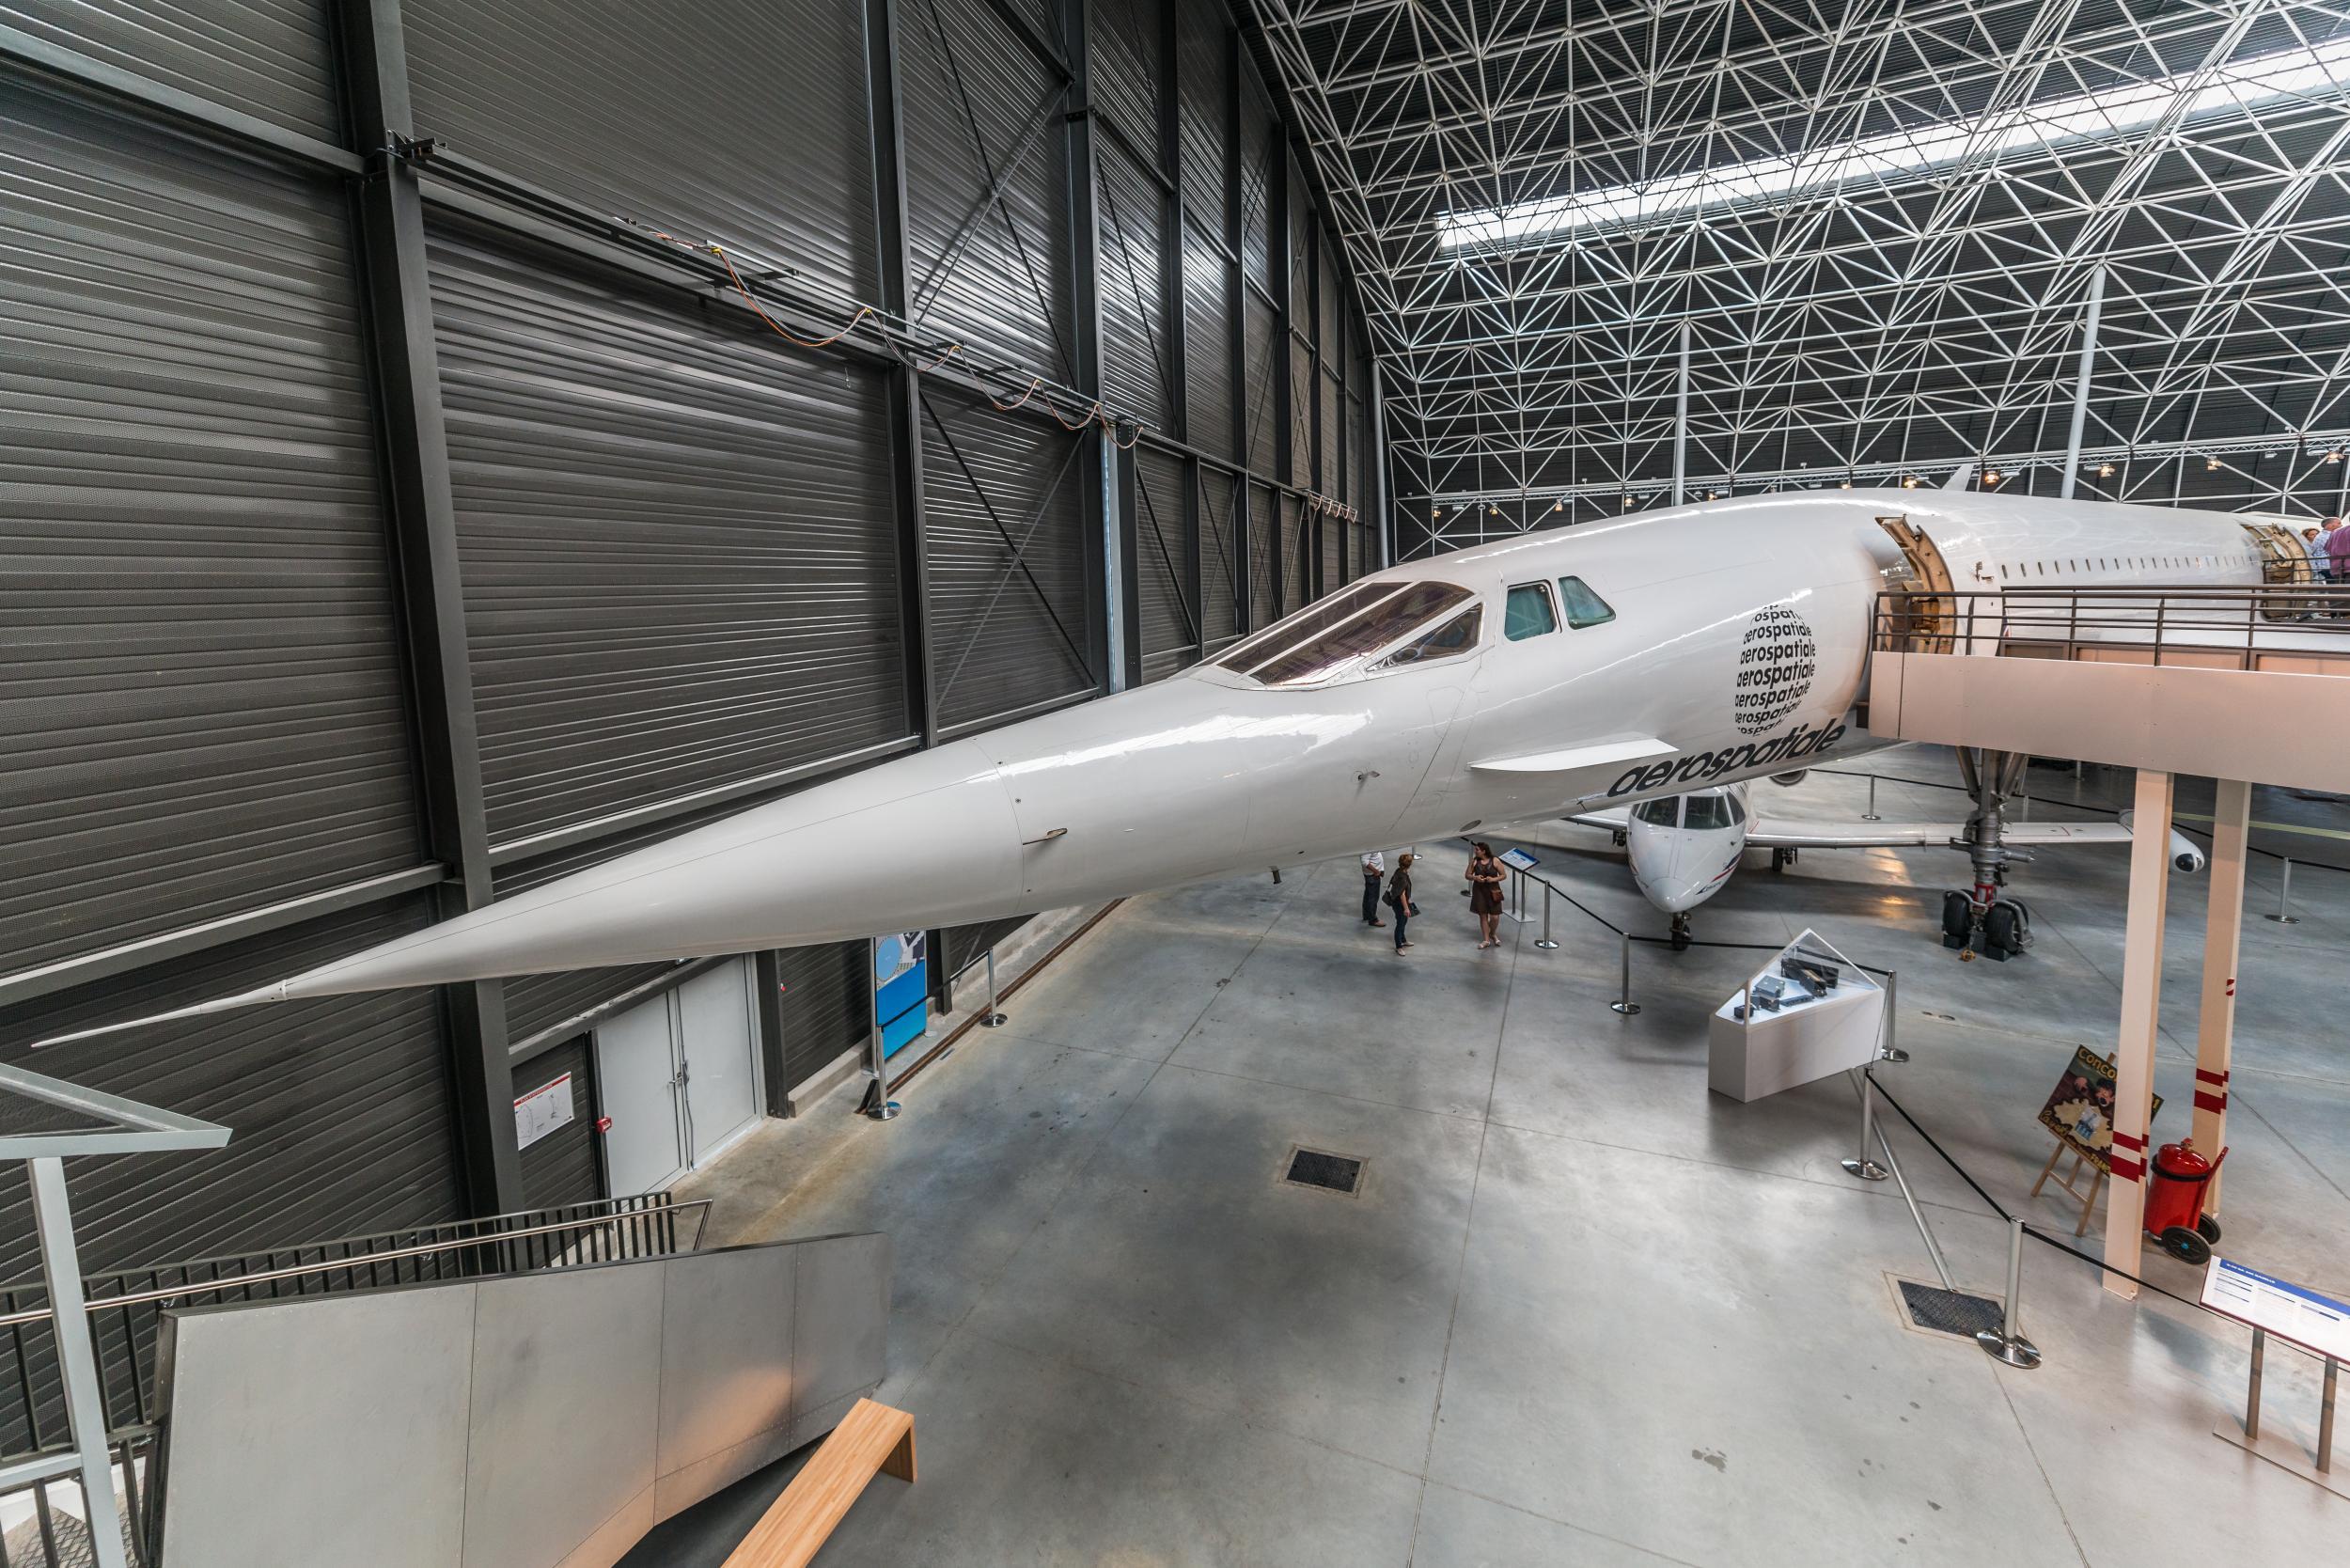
1333 552
735 121
1125 40
1301 370
1202 57
561 1166
1264 532
1163 552
200 698
679 557
1134 372
1297 565
338 1109
272 59
1009 588
1222 574
1263 387
1259 163
979 109
1207 342
965 944
827 1004
1333 435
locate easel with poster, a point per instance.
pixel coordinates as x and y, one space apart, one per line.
2079 1111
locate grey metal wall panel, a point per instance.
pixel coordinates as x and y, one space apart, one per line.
965 944
1333 552
1358 446
982 114
1301 370
1009 585
1222 574
272 59
1163 552
1263 387
1202 42
200 696
561 1168
827 1004
1296 565
732 120
340 1106
1125 61
1260 159
1264 582
1333 434
679 560
1134 372
1330 305
1207 342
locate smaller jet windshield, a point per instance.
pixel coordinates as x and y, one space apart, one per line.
1706 811
1658 813
1346 626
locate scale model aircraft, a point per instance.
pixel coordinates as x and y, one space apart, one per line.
1606 664
1682 849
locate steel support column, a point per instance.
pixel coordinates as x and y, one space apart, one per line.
908 504
1382 511
2223 931
2080 382
1244 524
2141 1011
1681 421
423 518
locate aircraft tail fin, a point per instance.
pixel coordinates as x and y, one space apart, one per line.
1959 476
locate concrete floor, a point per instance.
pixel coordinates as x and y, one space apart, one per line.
1584 1311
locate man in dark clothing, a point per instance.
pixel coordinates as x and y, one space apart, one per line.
1374 871
1399 898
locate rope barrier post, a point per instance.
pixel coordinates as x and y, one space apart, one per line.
1864 1167
1889 1051
2285 891
2326 1421
990 1018
1623 1002
2252 1390
1870 814
2006 1343
1543 941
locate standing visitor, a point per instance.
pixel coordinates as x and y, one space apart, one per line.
1374 871
1399 898
1484 879
2337 550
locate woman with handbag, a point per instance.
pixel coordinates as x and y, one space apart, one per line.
1399 898
1484 879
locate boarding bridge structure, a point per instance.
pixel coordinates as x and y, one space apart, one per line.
2243 684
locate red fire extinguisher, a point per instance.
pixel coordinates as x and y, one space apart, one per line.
2174 1201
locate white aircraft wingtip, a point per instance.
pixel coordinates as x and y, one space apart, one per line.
222 1004
1959 476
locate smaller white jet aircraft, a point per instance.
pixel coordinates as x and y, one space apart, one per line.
1683 848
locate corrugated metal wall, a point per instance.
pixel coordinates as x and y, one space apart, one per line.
981 115
1222 573
679 568
746 128
201 704
965 944
1170 637
827 1004
1264 581
272 59
1134 372
1296 562
561 1168
1007 563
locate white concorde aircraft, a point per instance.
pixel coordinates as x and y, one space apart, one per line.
1682 849
1526 677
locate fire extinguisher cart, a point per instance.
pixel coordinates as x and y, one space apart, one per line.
2174 1218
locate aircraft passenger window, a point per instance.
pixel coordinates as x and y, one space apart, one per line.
1528 612
1658 813
1705 812
1583 607
1457 636
1329 646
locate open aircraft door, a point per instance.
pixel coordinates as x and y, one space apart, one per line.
1926 620
2283 562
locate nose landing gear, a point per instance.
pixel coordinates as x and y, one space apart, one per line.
1680 935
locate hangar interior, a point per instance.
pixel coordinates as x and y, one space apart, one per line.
458 455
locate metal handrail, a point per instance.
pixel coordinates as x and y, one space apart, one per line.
2205 618
489 1238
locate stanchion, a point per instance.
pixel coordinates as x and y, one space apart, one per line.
1889 1052
990 1018
1865 1167
1543 941
2253 1393
2006 1343
1870 814
2326 1421
2285 891
1623 1003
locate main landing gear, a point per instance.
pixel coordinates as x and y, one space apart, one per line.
1982 923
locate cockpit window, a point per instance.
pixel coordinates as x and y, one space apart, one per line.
1455 636
1323 642
1527 614
1583 607
1658 813
1315 618
1703 812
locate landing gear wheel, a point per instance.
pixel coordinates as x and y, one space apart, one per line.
1958 919
2185 1245
1680 933
1781 859
2208 1229
2006 932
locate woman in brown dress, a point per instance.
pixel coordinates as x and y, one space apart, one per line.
1485 880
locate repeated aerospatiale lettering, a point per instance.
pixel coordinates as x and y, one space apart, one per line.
1802 741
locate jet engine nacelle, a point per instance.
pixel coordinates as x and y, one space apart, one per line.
2186 853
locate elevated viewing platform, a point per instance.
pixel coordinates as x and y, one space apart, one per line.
2230 683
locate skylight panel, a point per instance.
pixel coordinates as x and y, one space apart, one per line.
2303 69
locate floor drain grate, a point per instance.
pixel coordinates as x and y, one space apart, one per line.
1310 1167
1950 1311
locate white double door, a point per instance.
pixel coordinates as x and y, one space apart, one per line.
679 1078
